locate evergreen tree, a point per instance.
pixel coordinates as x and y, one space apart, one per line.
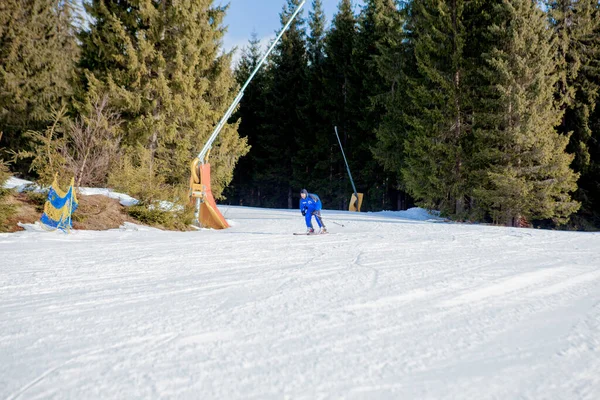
377 24
159 62
287 122
338 105
577 27
437 116
38 54
589 183
395 64
578 50
316 39
526 172
312 161
251 114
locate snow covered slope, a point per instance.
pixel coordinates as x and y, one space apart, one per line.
387 307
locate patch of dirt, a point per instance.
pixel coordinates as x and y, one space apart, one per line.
94 213
26 212
99 213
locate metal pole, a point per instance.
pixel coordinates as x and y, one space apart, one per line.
346 161
237 99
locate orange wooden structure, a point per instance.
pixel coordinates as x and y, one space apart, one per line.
208 214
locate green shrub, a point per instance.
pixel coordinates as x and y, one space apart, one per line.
150 216
135 175
46 156
178 218
36 197
6 210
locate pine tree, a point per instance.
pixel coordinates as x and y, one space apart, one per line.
436 116
38 55
526 174
339 107
251 114
316 39
589 183
160 64
578 50
577 27
312 160
377 24
286 124
395 64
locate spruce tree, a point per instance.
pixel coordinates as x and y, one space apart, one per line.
251 114
286 125
38 55
578 51
577 27
377 24
526 172
589 183
341 86
160 63
395 64
316 39
312 160
436 116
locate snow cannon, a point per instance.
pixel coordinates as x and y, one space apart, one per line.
355 202
207 213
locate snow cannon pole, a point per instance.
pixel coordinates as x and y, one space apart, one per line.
354 205
213 136
198 189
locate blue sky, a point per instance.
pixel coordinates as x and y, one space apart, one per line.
262 16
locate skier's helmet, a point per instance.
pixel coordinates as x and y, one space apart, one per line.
304 191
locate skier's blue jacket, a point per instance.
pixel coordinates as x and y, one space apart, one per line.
311 203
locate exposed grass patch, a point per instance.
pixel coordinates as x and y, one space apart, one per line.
95 212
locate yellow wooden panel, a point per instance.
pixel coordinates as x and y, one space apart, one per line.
354 205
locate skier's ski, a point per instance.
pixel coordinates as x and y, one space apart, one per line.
310 234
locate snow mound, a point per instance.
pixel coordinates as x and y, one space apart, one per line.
13 182
38 227
20 185
124 199
415 214
131 227
35 227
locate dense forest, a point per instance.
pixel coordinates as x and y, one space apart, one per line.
486 110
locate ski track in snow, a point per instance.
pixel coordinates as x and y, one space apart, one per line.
387 308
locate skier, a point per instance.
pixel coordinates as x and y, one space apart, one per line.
310 204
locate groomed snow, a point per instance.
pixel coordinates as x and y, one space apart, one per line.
390 306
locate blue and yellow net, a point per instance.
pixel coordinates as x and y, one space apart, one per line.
59 207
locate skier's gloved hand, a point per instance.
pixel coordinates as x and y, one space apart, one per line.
303 211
